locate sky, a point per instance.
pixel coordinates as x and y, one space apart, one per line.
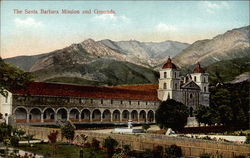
28 33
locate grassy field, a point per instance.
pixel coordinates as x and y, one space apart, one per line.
62 151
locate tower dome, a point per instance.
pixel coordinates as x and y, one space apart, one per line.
169 64
198 68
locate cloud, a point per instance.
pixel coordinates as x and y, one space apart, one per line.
212 7
161 27
28 22
111 18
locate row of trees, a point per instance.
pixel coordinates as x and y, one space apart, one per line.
229 106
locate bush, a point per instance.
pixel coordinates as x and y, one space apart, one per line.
68 131
174 151
145 127
205 155
247 139
95 144
158 151
14 141
110 144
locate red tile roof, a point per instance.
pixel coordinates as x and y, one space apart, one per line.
169 64
198 69
131 92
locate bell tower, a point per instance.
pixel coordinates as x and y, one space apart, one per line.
169 82
200 77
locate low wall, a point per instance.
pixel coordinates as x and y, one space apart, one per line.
190 147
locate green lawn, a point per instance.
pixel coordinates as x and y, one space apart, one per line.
63 151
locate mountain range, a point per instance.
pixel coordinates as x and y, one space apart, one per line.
108 62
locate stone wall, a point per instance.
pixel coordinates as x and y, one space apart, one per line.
190 147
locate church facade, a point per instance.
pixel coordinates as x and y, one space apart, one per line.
47 103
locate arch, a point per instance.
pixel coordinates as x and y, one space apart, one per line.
74 115
165 74
150 116
106 116
116 116
205 89
21 115
191 111
164 85
125 115
134 116
48 115
96 115
35 115
142 116
85 115
62 114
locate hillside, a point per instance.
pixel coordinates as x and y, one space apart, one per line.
232 44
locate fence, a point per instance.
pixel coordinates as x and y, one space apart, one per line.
190 147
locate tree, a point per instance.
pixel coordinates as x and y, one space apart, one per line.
110 144
174 151
207 115
53 139
12 78
5 131
171 114
68 131
145 126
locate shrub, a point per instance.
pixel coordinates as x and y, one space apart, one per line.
95 144
247 139
174 150
110 144
14 141
205 155
145 127
158 151
68 131
87 145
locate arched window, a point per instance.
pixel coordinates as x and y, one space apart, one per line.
204 79
165 86
101 101
165 74
111 101
174 74
205 89
191 96
194 78
175 86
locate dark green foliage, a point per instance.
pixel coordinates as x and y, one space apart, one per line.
247 139
145 126
174 151
171 114
205 155
206 115
14 141
68 131
231 101
12 77
5 131
110 144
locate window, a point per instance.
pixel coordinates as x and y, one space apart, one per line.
194 78
146 103
176 86
174 74
6 99
191 96
101 101
165 86
138 102
165 74
91 100
204 79
111 101
205 89
121 102
130 102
